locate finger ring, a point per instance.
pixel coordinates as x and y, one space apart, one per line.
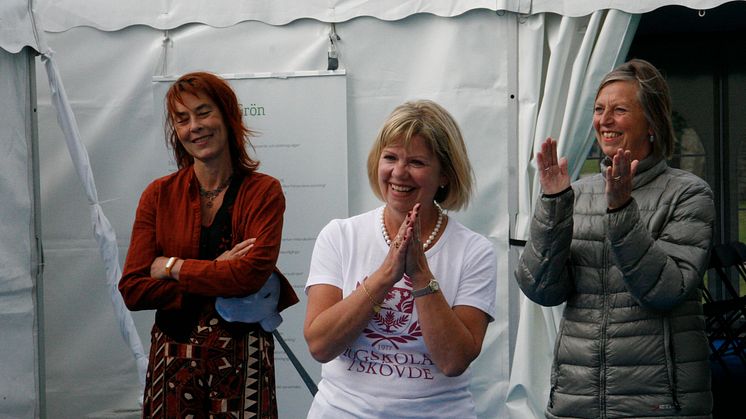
396 244
547 169
616 178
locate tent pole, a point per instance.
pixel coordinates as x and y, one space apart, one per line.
37 251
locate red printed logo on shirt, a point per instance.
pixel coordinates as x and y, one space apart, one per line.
394 322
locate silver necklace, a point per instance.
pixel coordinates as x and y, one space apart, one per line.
430 238
211 195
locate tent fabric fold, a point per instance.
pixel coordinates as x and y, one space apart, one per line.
102 229
581 51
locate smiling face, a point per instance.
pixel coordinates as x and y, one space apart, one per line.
201 128
619 121
409 175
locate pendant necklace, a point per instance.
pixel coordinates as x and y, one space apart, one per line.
211 195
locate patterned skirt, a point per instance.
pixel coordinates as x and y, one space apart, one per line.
223 370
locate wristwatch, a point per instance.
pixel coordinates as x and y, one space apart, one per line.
431 288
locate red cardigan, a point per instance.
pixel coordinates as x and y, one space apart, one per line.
168 223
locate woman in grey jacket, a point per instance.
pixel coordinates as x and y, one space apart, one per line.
626 251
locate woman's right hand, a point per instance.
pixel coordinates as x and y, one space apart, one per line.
394 265
239 250
553 174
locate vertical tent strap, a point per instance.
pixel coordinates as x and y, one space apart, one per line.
332 54
166 44
103 231
296 363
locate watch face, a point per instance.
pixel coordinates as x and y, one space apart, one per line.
434 286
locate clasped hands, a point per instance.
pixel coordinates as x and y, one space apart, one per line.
406 254
554 177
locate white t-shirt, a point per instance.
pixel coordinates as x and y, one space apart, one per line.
387 372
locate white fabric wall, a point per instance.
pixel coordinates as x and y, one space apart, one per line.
107 77
19 259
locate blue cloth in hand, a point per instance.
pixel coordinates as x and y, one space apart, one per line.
259 307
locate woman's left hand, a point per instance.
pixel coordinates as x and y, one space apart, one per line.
619 179
238 251
453 335
416 262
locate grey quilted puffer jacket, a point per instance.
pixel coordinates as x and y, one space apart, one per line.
631 342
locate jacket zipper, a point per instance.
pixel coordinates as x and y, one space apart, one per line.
671 363
555 369
602 346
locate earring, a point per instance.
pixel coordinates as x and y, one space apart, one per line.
652 138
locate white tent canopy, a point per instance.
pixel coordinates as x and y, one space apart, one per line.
511 72
17 26
60 15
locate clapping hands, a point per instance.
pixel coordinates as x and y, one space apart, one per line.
553 174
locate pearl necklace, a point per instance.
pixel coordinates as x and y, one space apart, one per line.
430 238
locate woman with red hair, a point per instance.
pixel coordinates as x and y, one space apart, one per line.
212 229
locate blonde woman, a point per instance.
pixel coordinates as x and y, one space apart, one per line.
399 297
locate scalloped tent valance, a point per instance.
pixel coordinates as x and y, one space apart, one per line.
60 15
17 26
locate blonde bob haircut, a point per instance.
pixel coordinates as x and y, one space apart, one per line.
437 127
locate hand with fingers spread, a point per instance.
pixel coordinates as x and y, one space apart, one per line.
619 179
553 174
239 250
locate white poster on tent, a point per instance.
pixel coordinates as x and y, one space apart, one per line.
301 121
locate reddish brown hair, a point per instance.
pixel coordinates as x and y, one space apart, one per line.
220 92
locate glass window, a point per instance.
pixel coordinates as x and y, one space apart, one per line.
591 164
